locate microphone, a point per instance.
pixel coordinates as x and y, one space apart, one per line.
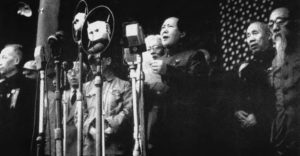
135 37
134 34
128 57
56 38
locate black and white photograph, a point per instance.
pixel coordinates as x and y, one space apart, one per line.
150 78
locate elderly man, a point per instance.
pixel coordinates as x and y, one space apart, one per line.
155 92
285 78
17 97
254 109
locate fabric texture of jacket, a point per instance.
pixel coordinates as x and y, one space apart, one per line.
117 106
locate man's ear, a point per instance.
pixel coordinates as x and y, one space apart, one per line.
17 61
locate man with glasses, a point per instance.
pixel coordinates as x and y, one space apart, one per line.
69 107
155 93
285 78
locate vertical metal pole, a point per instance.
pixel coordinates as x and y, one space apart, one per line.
47 24
100 151
58 131
79 108
140 79
40 139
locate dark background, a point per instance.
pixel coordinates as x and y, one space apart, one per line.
203 17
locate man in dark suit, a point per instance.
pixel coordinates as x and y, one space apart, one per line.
255 108
17 96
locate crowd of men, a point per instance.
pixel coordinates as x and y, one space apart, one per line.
182 108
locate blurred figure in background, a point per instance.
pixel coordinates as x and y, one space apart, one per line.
29 70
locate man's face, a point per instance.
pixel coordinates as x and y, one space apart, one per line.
257 38
169 32
73 77
8 60
278 22
98 30
154 46
105 63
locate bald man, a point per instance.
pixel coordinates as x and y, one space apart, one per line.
254 111
17 96
285 78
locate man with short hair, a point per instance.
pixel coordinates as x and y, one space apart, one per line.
254 109
17 98
117 109
69 108
285 78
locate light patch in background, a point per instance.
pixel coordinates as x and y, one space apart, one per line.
24 9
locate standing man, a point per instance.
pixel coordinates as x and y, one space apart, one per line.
155 93
285 78
254 110
117 110
17 97
185 71
68 101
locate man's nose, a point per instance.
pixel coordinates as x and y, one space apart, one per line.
250 40
164 30
275 28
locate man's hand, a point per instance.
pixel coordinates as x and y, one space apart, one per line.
250 121
158 66
241 115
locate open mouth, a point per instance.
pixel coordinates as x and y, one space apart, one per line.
253 46
164 37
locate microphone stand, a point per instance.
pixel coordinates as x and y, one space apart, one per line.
137 81
100 138
41 136
79 105
58 126
65 107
